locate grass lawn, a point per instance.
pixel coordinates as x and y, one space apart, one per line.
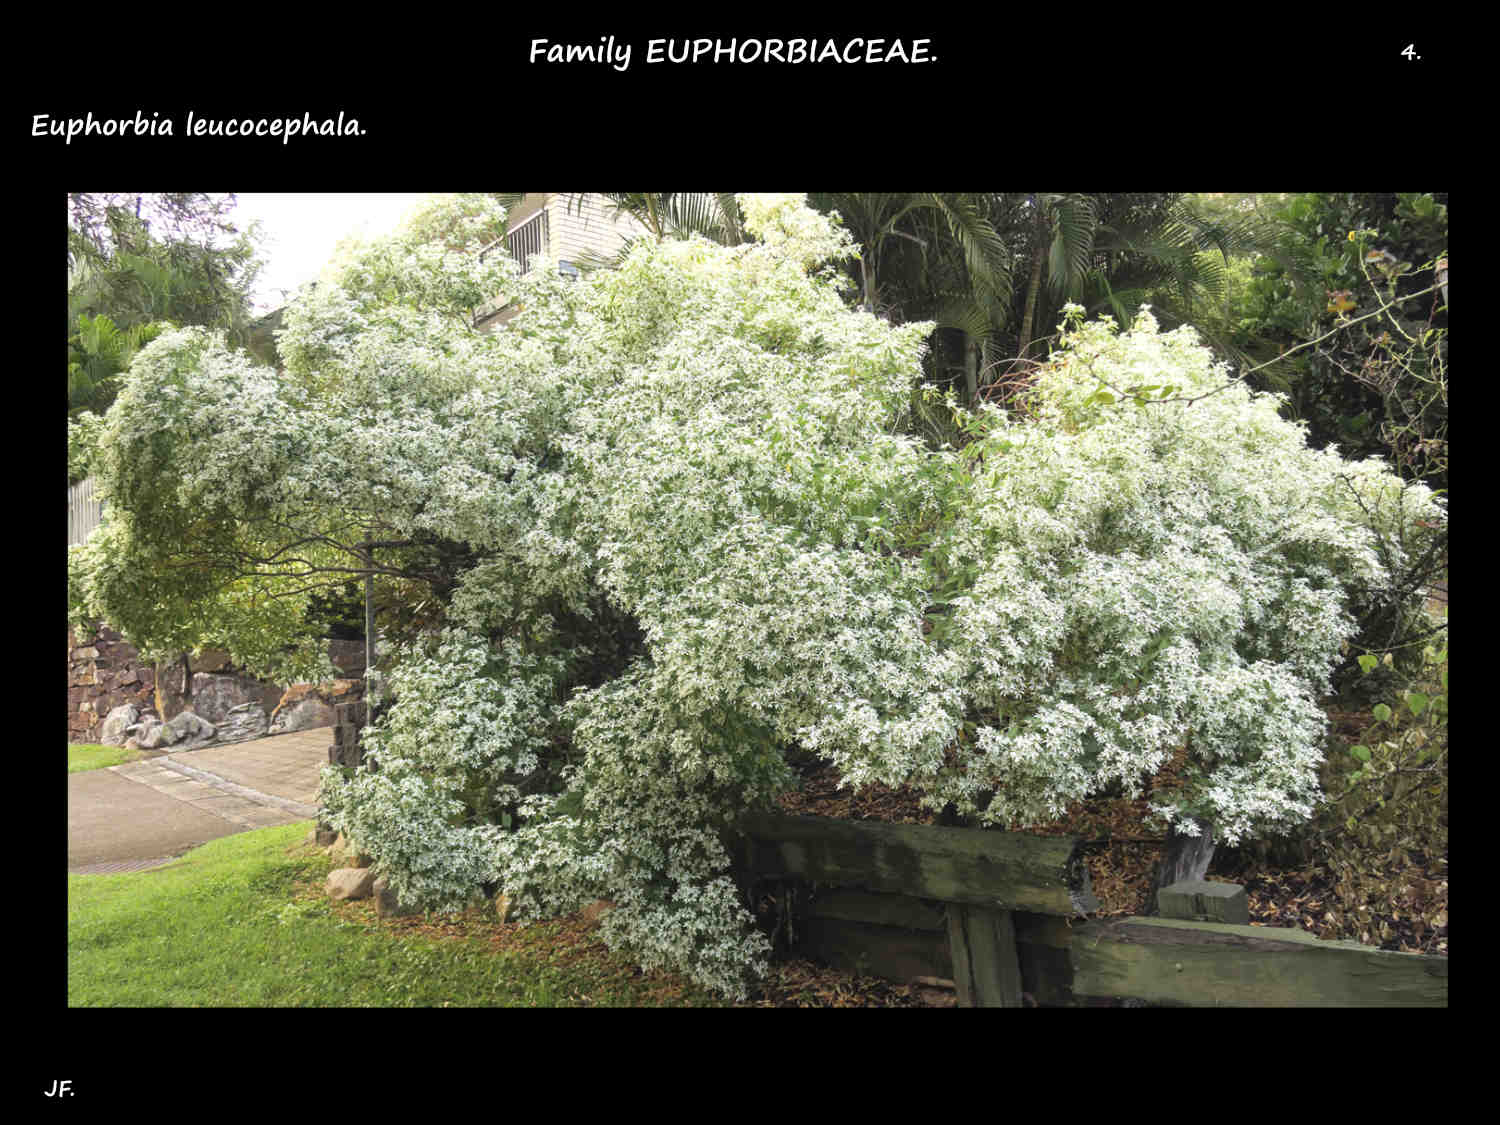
243 921
84 756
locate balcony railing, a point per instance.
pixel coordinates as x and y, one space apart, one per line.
531 237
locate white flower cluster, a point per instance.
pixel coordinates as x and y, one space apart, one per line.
1158 572
448 765
705 443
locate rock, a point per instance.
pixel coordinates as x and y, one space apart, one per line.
505 908
308 706
151 733
216 696
343 852
323 836
87 653
350 883
302 713
241 724
387 905
191 729
132 744
211 660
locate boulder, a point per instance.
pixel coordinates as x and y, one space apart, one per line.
215 696
191 730
505 908
306 714
241 724
301 708
350 883
151 733
117 722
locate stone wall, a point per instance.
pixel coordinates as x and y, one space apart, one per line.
104 672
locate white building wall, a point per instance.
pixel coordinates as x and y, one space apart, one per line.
581 231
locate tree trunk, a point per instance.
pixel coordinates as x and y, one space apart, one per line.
1184 857
971 367
1033 287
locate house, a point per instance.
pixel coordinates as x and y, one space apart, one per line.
574 230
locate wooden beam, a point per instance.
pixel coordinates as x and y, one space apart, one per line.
1210 964
1198 900
850 905
998 870
986 963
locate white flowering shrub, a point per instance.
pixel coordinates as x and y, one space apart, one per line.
449 764
1150 571
684 532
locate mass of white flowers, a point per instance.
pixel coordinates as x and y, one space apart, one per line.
705 445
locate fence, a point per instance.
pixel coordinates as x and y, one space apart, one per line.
85 510
996 914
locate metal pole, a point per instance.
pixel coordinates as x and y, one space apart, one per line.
369 610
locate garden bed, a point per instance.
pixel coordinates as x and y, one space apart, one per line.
1122 853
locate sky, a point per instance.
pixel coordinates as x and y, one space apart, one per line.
301 232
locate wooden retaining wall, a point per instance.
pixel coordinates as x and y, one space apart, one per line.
1000 915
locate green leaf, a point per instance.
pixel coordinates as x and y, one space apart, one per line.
1360 752
1416 701
1382 713
1367 662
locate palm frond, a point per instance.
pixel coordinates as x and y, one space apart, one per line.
986 256
1072 247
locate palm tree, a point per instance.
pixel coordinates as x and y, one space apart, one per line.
679 215
940 256
98 349
1157 251
1062 240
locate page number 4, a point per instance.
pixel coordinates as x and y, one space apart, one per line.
1411 52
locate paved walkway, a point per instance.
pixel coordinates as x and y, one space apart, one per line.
145 813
